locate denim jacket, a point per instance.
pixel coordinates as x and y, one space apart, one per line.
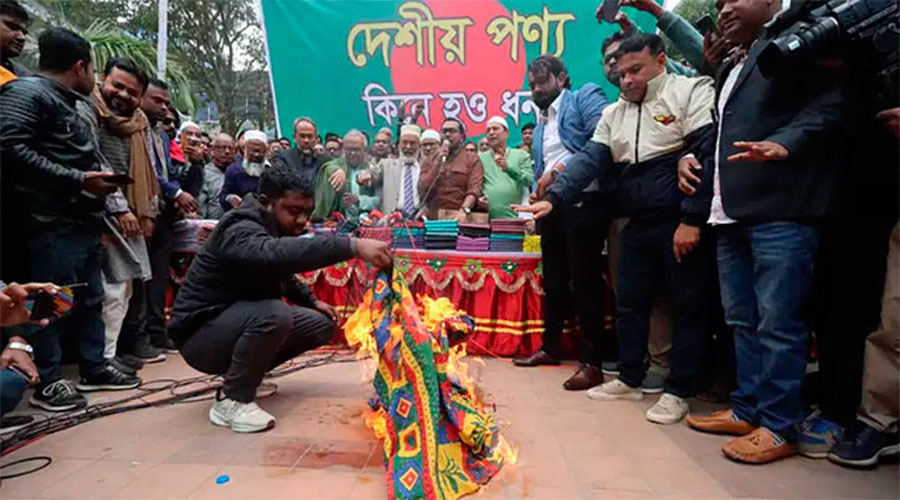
579 113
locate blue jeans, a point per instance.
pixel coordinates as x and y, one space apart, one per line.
765 271
64 254
12 388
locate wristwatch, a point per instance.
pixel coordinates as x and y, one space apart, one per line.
467 210
22 347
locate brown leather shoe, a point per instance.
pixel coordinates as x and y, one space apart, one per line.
586 377
762 446
720 422
540 357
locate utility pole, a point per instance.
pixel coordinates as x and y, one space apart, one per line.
163 40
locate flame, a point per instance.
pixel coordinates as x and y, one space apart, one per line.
509 453
438 317
359 327
377 421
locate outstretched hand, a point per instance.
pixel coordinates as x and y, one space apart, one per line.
539 209
759 151
374 251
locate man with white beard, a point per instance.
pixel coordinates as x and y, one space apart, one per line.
397 178
243 178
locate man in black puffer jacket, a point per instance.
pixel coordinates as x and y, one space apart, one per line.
229 317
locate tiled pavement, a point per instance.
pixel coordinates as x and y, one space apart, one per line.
570 447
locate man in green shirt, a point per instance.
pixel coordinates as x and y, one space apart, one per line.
507 171
338 190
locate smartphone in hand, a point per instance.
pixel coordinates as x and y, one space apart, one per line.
706 24
45 305
121 179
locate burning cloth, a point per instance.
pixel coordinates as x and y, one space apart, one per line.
439 442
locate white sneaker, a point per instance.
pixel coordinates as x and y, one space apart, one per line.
241 417
669 409
615 390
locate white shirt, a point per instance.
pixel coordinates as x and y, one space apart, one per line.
401 199
555 151
717 214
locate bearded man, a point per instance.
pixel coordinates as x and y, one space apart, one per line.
243 178
398 177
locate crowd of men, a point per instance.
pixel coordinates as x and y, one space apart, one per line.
736 221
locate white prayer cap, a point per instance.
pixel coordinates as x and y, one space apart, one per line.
255 135
410 130
186 125
499 120
431 134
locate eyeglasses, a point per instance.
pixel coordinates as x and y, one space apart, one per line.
450 131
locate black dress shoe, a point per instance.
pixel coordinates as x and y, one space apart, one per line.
586 377
540 357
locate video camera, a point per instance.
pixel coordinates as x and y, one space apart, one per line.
870 29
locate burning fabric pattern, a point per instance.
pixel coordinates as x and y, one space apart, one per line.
439 442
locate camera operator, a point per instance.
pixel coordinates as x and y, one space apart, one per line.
772 181
851 262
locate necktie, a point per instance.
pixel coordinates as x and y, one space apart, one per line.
409 203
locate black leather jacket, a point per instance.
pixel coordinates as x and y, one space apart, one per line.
46 148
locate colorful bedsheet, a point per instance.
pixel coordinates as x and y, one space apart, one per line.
439 442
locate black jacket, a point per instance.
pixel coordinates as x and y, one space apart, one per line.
309 166
801 110
46 148
246 259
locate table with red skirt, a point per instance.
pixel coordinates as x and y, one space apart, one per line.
502 292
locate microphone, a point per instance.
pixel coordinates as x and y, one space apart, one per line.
445 144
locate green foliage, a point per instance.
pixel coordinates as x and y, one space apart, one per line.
693 10
215 48
109 42
94 20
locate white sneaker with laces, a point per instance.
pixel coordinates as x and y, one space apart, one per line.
241 417
670 409
614 391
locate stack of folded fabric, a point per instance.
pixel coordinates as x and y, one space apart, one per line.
380 233
408 235
474 238
441 234
507 235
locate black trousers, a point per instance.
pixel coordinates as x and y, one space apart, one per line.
146 316
252 337
847 291
647 264
67 253
572 238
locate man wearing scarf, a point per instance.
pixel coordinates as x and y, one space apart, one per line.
122 136
243 178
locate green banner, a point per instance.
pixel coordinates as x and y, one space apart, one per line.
353 64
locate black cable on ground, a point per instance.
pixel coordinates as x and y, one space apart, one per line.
45 464
175 388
